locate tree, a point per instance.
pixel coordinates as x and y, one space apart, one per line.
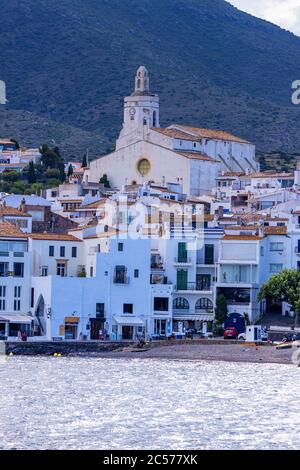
104 180
31 174
10 176
70 170
62 173
84 161
221 311
283 287
52 173
50 158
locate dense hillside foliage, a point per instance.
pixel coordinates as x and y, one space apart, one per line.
68 63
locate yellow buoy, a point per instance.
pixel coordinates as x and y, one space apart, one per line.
11 354
55 354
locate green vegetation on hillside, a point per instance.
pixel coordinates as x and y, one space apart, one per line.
48 174
212 65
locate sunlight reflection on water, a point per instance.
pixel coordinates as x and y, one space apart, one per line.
82 403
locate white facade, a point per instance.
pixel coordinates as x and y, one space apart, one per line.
144 150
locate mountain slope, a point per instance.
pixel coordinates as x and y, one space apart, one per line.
72 61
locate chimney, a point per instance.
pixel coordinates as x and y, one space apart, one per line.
22 207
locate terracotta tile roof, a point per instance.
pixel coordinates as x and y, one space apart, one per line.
196 134
197 156
53 236
6 141
93 205
211 134
241 237
9 230
257 217
231 174
268 174
275 230
8 210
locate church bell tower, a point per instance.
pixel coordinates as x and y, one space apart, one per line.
141 108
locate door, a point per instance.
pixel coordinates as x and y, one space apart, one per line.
182 277
96 327
127 332
209 254
203 282
182 253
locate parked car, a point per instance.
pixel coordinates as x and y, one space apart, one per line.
230 333
242 337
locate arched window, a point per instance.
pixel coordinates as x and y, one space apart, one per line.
154 119
204 304
181 304
139 83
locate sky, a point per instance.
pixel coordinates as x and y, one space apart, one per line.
285 13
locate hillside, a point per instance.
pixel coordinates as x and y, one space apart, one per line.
68 63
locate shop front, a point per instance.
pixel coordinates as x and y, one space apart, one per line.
129 328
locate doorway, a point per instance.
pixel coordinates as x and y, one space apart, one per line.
97 326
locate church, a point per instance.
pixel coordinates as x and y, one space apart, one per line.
190 156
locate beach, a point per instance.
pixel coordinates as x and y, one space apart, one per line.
207 352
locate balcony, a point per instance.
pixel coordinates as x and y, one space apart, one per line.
184 261
124 280
194 287
157 266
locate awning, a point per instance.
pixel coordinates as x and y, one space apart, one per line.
208 317
13 318
72 320
129 320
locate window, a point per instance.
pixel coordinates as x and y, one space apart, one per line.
3 269
154 119
204 304
194 145
62 251
161 304
262 251
276 246
127 308
61 269
136 273
181 304
92 271
17 298
120 246
144 167
120 275
100 310
32 298
44 271
209 254
74 252
276 268
2 297
19 269
51 250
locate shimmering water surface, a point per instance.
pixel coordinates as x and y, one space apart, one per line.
80 403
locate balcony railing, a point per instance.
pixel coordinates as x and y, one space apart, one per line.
183 260
194 286
157 266
121 280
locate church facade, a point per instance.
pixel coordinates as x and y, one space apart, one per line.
190 156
